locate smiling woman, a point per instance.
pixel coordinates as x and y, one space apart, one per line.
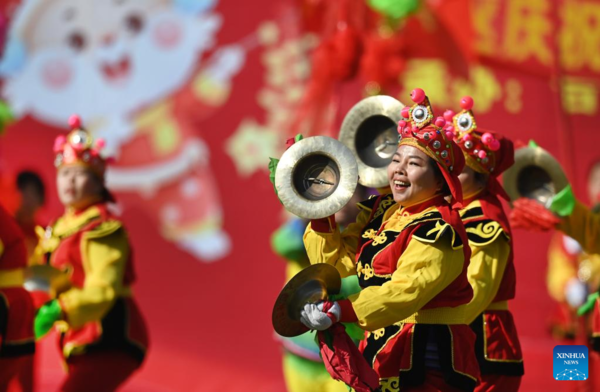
407 250
413 176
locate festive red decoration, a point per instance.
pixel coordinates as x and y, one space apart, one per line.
417 95
434 141
384 74
405 112
494 145
78 148
466 103
345 362
487 138
528 214
74 121
448 114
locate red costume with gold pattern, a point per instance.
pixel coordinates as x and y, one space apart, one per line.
101 330
92 246
411 262
491 271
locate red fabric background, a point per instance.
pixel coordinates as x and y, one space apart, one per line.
210 323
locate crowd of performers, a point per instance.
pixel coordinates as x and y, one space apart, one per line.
433 255
101 333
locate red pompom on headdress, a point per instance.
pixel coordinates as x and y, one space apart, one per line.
420 130
78 148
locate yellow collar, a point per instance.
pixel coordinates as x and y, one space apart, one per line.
468 198
72 221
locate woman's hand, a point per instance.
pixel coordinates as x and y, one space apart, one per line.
320 316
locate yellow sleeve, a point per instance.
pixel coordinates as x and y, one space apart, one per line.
423 271
560 270
105 252
335 248
37 257
583 226
485 273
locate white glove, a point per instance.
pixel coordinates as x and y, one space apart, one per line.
313 316
575 292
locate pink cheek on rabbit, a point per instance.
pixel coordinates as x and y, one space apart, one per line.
167 34
56 73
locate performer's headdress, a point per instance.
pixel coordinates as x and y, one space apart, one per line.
418 129
485 151
79 148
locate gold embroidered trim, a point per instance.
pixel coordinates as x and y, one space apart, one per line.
487 231
391 384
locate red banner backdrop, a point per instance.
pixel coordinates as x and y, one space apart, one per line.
194 96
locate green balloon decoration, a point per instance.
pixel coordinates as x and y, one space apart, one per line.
395 9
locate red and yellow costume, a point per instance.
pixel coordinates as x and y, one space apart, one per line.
16 306
583 225
411 263
102 331
567 262
492 275
491 271
93 248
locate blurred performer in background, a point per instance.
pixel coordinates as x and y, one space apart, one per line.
149 112
303 367
408 249
16 306
572 274
573 218
103 336
569 215
33 196
491 271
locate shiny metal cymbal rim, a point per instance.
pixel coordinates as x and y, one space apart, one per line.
315 209
383 105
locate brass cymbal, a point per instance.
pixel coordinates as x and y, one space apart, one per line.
313 284
46 278
536 174
316 177
370 131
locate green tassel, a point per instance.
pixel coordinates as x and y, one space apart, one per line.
6 116
589 304
273 162
533 144
563 202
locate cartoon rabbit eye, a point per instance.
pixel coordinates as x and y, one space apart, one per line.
134 23
76 40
